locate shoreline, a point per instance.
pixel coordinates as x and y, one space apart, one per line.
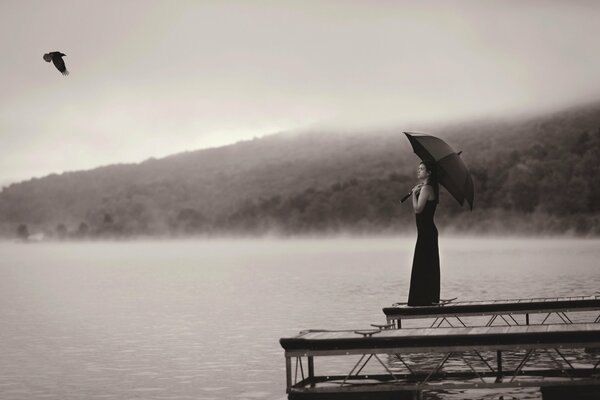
443 237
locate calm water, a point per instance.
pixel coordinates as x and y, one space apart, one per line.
202 319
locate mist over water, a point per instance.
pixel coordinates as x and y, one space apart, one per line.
201 319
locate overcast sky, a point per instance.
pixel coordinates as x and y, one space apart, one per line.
152 78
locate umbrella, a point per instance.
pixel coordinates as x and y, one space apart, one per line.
453 174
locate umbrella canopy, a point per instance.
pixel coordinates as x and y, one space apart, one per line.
453 174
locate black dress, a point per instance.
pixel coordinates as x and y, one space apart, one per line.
425 276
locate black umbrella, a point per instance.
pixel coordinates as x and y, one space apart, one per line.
453 174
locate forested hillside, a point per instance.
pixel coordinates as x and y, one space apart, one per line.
532 175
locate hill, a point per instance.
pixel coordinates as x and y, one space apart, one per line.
531 175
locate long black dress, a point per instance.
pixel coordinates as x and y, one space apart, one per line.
425 276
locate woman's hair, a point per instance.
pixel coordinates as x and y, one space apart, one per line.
431 167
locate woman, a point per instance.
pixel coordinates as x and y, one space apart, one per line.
425 276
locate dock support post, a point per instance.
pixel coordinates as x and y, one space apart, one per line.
288 373
527 319
498 365
311 367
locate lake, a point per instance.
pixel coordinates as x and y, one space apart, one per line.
201 319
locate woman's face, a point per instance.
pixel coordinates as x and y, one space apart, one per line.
422 172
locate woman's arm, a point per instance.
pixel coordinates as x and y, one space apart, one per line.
414 192
419 203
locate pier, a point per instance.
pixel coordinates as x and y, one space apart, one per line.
401 363
509 312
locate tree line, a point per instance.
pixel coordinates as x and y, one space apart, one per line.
550 186
534 176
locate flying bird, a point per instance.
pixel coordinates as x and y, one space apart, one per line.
56 58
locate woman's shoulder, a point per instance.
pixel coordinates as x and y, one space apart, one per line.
428 189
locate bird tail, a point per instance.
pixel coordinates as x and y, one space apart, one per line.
65 72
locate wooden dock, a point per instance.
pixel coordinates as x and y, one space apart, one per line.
399 362
507 312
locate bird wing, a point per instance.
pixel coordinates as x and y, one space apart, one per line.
59 63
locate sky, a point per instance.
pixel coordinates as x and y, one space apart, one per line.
153 78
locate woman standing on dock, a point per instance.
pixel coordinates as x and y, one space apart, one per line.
425 275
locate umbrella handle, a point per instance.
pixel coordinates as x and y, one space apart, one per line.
405 197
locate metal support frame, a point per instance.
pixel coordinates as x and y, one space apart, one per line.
432 376
508 319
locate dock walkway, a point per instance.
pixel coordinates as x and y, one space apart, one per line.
506 312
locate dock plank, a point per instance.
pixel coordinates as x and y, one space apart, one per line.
448 338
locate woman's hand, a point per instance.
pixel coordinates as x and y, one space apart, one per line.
417 189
